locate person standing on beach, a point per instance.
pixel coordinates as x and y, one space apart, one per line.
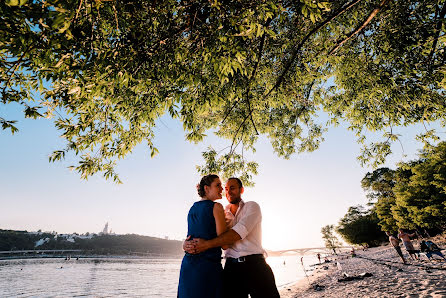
201 275
246 271
395 242
408 244
430 249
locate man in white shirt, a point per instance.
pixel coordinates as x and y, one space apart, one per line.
246 271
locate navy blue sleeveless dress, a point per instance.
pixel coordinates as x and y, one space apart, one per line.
201 274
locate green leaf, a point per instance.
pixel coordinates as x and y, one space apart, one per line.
12 2
31 112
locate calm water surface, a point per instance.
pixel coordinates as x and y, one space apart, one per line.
111 277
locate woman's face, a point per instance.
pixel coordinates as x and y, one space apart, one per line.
213 192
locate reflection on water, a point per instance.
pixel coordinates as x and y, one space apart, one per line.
89 277
110 277
288 269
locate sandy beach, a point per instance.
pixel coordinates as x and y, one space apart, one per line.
390 277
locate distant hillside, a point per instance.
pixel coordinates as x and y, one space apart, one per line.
93 244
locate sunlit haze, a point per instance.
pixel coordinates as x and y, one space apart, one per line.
297 196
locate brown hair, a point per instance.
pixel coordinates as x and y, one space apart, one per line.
240 184
206 180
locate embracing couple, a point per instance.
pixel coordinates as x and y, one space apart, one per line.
236 229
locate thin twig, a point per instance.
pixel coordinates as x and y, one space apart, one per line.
15 66
92 26
223 149
437 34
250 115
425 128
401 144
300 45
360 27
152 49
261 47
235 136
229 112
78 10
116 16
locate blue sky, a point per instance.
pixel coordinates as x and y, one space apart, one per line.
297 196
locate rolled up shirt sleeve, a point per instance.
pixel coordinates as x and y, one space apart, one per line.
251 218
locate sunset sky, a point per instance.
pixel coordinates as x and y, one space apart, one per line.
297 196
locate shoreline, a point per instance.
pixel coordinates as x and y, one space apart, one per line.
389 277
310 271
74 257
305 283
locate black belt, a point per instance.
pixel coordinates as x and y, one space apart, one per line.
246 258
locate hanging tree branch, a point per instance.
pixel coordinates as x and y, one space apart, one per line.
16 65
231 151
256 65
360 27
296 50
248 91
437 34
77 12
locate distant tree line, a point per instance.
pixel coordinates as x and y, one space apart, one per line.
20 240
360 226
131 243
101 244
412 197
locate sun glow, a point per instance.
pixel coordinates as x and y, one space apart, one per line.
277 234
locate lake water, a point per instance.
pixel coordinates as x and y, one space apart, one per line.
111 277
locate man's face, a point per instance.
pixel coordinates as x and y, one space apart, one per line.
233 191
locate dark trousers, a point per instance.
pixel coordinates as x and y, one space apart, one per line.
253 277
398 250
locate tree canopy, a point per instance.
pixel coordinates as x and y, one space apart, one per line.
105 71
360 226
379 186
412 196
423 194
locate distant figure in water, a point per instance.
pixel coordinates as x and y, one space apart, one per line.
201 275
395 242
319 257
408 244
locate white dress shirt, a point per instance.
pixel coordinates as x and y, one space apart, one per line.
247 222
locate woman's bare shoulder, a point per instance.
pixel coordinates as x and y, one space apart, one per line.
218 205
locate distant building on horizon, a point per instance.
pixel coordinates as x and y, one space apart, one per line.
105 230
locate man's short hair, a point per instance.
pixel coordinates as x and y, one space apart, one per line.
240 184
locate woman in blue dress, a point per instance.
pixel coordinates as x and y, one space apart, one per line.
201 274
